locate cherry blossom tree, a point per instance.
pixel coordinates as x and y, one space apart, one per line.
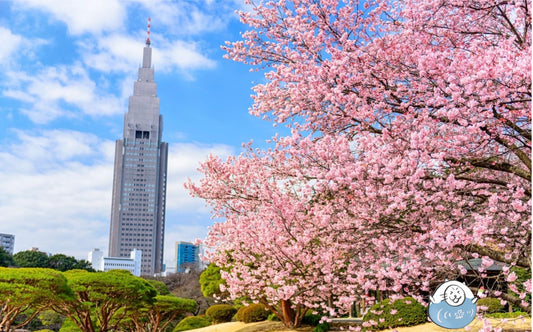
410 150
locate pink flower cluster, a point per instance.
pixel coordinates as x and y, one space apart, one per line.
410 149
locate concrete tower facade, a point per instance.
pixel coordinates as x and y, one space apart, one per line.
140 176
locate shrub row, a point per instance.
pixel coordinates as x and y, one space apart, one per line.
390 314
221 313
191 323
256 312
493 305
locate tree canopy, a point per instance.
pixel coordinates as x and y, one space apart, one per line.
31 258
410 150
6 259
210 281
60 262
101 299
28 291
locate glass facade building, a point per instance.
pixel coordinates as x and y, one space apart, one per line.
187 256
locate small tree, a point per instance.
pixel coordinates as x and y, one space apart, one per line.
101 300
210 281
28 291
64 263
30 258
157 316
6 259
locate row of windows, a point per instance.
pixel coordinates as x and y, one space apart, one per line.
126 208
136 224
145 165
143 157
131 145
137 239
119 265
138 215
131 229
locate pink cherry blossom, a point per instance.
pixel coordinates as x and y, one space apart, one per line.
410 150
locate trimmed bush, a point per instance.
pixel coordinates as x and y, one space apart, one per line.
311 319
238 315
402 312
256 312
322 327
514 314
493 305
220 313
191 323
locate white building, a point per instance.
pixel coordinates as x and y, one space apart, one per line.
101 263
7 241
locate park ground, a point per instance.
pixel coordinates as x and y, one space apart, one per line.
512 325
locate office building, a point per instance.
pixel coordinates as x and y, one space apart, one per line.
7 241
101 263
187 256
139 182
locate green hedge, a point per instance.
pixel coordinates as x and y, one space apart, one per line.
493 305
402 312
220 313
238 314
311 319
514 314
256 312
322 327
191 323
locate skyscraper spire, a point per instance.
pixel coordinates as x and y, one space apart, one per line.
139 181
148 32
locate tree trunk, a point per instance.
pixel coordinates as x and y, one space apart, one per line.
288 314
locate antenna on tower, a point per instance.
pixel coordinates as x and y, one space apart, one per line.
148 32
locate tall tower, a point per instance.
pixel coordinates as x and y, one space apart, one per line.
140 175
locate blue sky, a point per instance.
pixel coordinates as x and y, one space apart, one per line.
67 69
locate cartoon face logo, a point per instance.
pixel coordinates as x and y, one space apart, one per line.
452 305
454 295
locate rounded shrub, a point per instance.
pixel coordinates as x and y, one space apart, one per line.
256 312
321 327
311 319
220 313
493 305
238 314
191 323
390 314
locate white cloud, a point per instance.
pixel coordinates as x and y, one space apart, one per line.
121 53
184 160
16 46
56 191
188 17
50 199
93 16
10 43
187 217
59 91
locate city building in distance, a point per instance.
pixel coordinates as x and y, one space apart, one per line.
7 241
101 263
187 256
139 181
